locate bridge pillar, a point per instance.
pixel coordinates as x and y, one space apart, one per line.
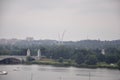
38 54
28 52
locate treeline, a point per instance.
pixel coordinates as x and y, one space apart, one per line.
65 52
90 44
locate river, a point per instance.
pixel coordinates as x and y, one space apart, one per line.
45 72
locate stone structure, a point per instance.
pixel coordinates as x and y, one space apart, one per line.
13 57
103 51
38 54
28 52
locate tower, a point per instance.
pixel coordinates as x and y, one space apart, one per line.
28 52
60 40
38 54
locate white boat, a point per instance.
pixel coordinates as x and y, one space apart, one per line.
3 72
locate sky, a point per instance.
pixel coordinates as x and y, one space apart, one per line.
50 19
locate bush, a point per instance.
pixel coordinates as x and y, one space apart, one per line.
118 63
60 60
92 60
28 58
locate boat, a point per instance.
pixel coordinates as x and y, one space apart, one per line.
16 69
3 72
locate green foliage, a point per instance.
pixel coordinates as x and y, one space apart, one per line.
92 60
118 63
111 58
29 58
80 58
86 52
60 60
85 56
61 51
69 61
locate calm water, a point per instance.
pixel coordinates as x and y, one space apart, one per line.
43 72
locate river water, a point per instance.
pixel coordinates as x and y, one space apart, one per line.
45 72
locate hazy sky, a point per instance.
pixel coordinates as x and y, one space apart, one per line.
45 19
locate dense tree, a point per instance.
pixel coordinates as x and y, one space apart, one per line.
28 59
80 56
118 63
60 60
91 60
110 58
86 51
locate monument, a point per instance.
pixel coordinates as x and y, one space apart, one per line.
28 52
38 54
103 51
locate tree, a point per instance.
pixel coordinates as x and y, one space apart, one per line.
92 60
79 58
81 55
29 58
118 63
100 57
60 60
110 58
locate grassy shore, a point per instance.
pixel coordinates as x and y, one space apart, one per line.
72 63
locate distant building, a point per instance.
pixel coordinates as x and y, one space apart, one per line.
13 41
3 41
29 38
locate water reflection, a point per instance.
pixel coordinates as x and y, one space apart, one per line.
43 72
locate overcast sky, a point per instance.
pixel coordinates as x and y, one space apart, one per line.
45 19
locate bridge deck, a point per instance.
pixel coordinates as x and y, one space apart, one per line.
17 57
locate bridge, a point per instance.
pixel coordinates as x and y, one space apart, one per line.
16 57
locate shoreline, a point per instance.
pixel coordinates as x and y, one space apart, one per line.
67 65
89 66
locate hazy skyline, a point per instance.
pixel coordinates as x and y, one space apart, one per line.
45 19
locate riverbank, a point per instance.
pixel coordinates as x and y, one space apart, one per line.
68 64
